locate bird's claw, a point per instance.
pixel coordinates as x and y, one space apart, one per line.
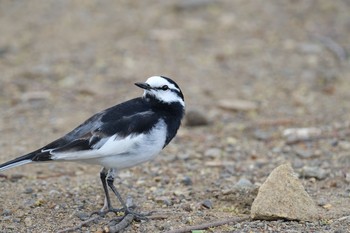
128 211
138 216
103 213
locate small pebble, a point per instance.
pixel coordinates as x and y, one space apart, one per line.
28 222
298 163
16 220
262 135
191 4
347 177
16 177
186 181
187 207
54 193
237 105
212 152
6 218
243 183
82 216
6 212
345 145
207 204
28 191
322 202
327 206
304 154
277 150
29 202
179 193
293 135
314 172
163 200
196 118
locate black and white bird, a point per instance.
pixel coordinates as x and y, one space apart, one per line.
119 137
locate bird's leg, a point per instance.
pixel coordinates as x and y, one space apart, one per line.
107 203
127 210
107 207
110 180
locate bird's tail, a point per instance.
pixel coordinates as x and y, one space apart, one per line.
17 162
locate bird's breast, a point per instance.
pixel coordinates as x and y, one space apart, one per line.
134 149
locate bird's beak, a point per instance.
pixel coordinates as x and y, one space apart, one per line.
143 86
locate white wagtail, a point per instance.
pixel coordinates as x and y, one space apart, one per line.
119 137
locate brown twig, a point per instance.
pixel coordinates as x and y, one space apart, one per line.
333 46
341 219
85 223
209 225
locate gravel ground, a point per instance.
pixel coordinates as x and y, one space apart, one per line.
286 64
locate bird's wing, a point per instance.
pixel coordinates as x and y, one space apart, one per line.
87 134
112 137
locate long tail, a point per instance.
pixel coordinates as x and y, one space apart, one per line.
17 162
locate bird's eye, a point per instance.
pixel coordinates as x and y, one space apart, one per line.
165 87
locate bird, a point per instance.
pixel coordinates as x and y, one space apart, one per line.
119 137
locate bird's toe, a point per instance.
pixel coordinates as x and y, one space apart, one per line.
138 216
103 213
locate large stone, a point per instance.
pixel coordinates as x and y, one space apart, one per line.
195 117
282 196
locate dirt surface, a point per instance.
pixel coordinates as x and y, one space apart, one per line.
62 61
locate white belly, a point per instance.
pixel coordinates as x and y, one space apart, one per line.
133 150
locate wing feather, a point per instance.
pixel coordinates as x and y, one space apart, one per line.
95 131
110 138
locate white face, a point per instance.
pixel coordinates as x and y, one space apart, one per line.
164 90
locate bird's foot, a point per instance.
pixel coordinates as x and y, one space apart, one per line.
103 213
130 214
138 216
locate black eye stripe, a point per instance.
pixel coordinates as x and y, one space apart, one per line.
179 93
164 88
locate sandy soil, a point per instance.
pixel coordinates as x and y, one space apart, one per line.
62 61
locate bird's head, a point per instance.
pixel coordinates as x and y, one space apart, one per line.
163 89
